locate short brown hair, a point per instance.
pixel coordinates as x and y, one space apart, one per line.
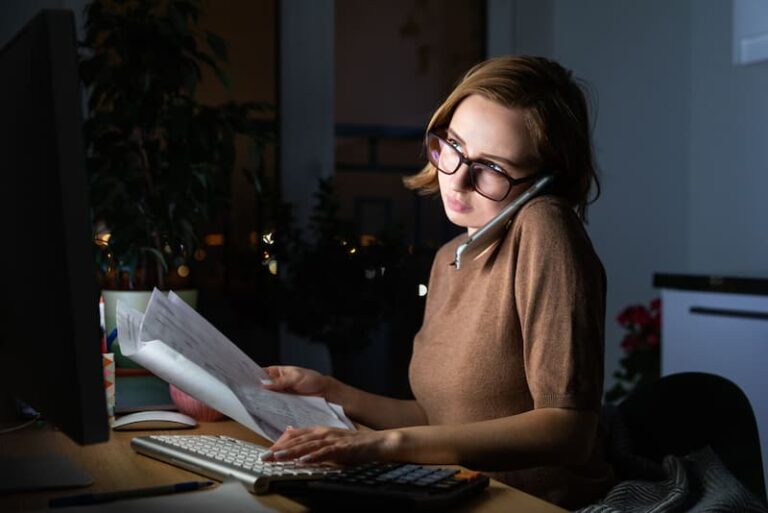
556 116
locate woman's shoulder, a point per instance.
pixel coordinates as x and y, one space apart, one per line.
549 222
548 236
547 213
546 206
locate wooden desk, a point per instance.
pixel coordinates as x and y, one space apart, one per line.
114 465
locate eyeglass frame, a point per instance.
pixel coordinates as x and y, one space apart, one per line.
463 159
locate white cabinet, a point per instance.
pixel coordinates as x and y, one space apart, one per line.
724 333
750 31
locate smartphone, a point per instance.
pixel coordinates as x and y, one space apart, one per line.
490 232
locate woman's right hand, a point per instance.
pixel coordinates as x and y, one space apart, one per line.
371 410
297 380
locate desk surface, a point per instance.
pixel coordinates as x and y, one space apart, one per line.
115 466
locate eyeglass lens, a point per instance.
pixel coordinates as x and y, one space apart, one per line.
447 158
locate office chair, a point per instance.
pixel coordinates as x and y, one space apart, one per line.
680 413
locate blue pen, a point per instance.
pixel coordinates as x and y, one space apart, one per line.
97 498
110 339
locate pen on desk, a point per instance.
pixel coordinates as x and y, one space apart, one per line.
97 498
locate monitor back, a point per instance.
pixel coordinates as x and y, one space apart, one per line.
49 326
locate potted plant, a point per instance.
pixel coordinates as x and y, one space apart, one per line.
159 161
641 363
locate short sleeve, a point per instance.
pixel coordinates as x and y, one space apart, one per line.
560 299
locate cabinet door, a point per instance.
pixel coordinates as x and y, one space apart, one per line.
724 334
750 31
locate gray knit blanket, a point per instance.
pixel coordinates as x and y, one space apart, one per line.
695 483
698 482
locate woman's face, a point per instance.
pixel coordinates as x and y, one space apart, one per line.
491 133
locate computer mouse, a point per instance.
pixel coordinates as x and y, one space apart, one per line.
153 419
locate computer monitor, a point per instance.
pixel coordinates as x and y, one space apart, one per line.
49 321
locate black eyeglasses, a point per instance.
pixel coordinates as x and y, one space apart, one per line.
488 179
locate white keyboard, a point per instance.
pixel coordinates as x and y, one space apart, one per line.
219 457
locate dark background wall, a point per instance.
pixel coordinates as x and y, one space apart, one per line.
679 128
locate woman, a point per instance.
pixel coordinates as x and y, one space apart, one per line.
507 368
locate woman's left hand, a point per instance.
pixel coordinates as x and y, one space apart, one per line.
316 444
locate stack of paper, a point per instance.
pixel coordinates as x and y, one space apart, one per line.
177 344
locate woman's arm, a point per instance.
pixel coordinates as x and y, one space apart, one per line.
547 436
371 410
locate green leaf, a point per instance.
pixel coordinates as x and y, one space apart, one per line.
177 19
157 254
224 77
253 178
217 45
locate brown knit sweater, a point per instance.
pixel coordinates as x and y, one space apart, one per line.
519 328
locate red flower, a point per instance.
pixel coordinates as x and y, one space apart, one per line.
641 344
629 315
630 342
643 326
640 316
623 317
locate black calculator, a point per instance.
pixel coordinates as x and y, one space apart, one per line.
386 487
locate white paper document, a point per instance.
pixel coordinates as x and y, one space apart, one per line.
177 344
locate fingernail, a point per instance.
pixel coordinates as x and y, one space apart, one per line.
266 381
266 454
280 454
305 458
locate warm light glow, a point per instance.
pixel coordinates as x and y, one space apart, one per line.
272 266
367 240
422 290
268 238
353 251
214 239
102 238
200 254
182 271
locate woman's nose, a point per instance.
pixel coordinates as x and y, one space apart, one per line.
461 179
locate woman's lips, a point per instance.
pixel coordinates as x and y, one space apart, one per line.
456 205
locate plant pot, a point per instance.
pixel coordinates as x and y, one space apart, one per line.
135 387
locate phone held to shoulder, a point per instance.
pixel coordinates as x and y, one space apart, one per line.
488 233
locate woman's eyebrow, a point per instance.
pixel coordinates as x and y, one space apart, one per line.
510 162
